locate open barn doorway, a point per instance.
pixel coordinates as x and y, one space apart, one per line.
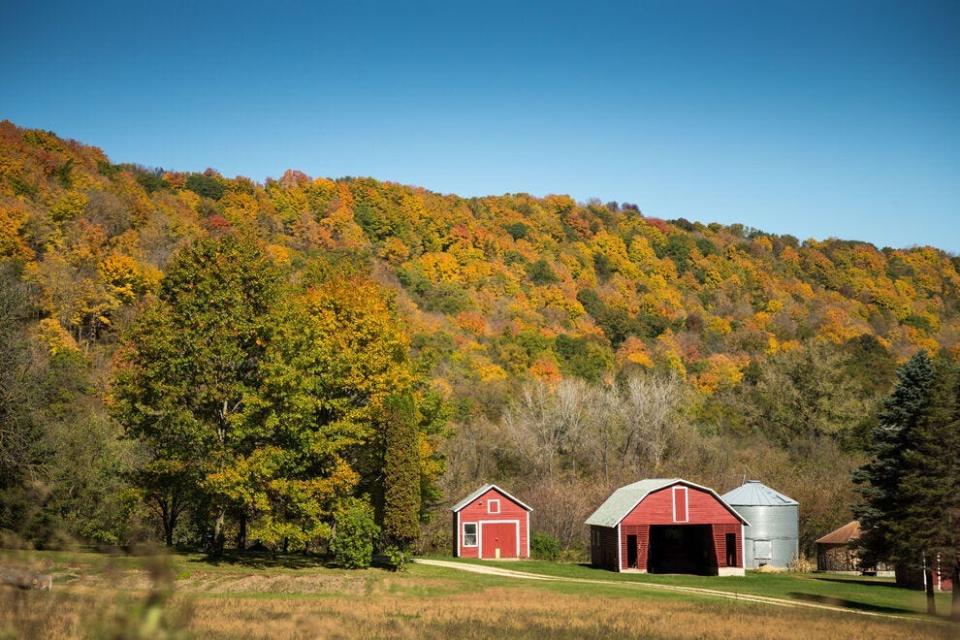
686 548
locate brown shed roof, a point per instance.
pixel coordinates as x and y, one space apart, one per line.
843 535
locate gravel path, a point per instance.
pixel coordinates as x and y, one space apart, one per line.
727 595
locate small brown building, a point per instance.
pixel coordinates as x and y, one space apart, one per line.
836 552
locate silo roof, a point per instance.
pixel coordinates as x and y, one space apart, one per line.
755 493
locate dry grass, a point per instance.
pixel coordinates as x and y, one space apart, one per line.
236 602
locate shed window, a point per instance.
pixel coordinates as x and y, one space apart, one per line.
469 534
493 506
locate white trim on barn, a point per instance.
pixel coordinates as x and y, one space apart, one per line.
619 550
686 503
528 535
482 490
490 504
480 523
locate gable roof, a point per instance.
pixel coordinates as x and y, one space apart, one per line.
754 493
843 535
482 490
625 499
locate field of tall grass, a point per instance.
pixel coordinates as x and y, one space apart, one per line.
185 596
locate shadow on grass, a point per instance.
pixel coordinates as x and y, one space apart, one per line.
848 604
868 583
266 560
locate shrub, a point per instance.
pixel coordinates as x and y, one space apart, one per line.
544 546
802 564
397 558
354 533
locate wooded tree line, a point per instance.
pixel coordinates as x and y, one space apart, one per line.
214 361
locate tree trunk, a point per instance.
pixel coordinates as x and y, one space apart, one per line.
168 517
931 601
242 533
955 600
218 535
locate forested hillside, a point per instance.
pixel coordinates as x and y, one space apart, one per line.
560 348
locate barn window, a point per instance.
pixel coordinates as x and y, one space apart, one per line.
493 506
596 538
469 534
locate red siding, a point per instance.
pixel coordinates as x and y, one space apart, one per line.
477 511
603 547
720 532
703 507
696 507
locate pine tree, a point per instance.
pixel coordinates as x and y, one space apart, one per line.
909 488
948 458
401 508
926 488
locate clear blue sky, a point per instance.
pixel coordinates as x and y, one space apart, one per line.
811 118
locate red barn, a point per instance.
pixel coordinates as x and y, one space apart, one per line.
491 524
667 526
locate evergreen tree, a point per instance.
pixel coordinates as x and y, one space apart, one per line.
948 455
401 508
909 487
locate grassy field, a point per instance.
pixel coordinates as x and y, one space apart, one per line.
186 596
853 592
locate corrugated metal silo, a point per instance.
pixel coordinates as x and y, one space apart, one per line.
773 535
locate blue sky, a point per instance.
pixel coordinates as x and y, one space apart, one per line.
811 118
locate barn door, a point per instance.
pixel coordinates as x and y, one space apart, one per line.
498 540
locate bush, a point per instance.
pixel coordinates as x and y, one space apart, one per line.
397 558
802 564
354 533
544 546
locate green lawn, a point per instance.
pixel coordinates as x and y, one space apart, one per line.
855 592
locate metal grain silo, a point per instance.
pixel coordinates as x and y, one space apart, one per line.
773 535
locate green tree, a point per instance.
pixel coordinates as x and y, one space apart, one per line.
905 487
804 393
21 455
401 472
191 361
336 354
354 533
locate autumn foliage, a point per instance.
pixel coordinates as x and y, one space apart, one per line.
466 298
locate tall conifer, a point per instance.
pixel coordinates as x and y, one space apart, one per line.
401 505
